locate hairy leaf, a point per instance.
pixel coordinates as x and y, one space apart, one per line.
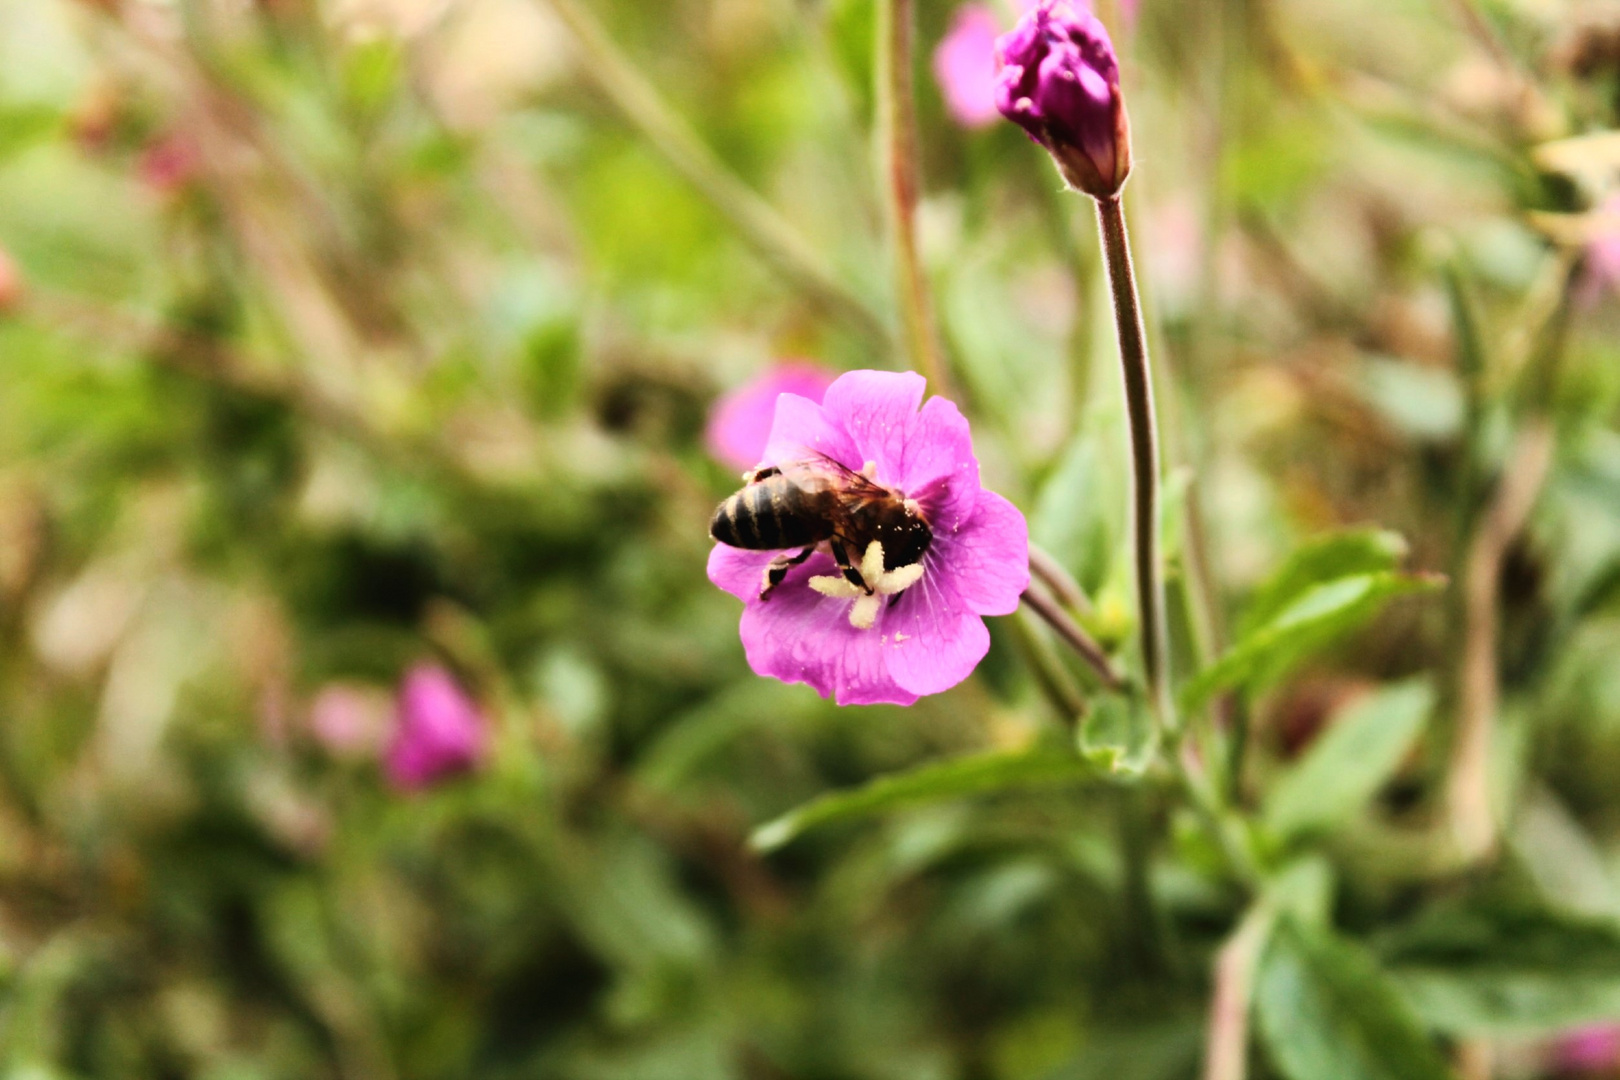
1328 1013
975 774
1315 619
1354 758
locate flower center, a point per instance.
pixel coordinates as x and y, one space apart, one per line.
879 583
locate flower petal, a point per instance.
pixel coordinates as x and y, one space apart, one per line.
877 409
931 641
740 422
800 636
802 428
939 468
988 558
741 573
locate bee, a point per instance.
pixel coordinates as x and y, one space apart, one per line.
805 504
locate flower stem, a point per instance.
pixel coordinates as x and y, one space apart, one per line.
897 149
1074 636
1054 577
759 223
1144 457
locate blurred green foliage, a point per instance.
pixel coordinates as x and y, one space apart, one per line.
357 332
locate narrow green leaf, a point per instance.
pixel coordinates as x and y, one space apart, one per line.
1327 1012
974 774
1354 758
1504 968
1324 558
1119 735
1318 616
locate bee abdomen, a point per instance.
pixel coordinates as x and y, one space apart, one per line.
764 517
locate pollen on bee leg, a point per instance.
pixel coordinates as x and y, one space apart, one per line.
869 470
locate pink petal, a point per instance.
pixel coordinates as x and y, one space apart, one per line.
876 408
931 641
800 636
802 428
938 468
740 422
988 557
740 573
965 66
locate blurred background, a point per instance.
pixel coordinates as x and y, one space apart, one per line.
366 713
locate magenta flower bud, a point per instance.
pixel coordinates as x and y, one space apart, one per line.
440 731
1059 81
740 422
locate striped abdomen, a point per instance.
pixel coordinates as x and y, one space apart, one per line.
770 514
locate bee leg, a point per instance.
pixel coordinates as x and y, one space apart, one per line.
851 574
764 472
777 570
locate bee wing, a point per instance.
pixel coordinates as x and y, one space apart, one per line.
820 472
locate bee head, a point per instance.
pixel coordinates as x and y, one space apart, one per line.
905 536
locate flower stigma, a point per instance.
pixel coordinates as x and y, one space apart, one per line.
879 583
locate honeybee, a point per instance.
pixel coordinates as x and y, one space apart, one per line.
804 504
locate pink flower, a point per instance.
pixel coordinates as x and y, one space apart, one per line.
1059 81
1603 254
440 731
169 164
740 422
965 66
11 283
920 629
1588 1049
349 720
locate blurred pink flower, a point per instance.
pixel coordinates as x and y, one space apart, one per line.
965 66
1603 254
440 731
1588 1049
350 720
11 283
965 63
169 164
740 422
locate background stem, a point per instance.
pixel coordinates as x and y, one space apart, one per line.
897 151
755 220
1144 456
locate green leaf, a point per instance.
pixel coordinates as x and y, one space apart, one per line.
1077 516
1497 967
1424 403
1327 1012
1119 735
1335 555
974 774
1312 621
1344 768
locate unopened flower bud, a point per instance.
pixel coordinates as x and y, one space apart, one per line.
1059 81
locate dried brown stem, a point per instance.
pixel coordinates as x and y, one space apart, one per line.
897 135
1468 797
1226 1045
